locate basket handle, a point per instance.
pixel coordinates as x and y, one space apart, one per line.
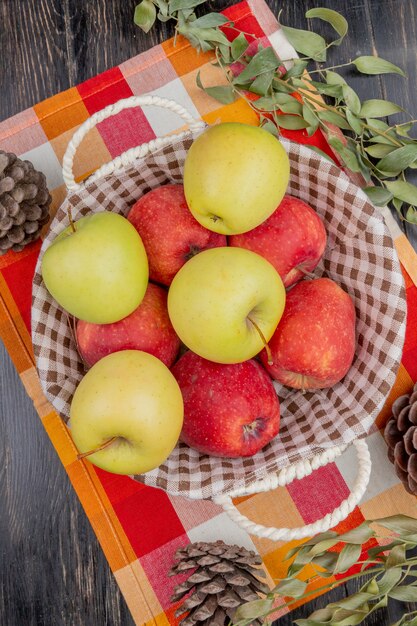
286 476
134 153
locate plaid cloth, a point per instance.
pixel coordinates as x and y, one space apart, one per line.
140 527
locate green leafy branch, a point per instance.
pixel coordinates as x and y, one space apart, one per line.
288 97
390 571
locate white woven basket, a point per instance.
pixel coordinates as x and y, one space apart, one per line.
316 427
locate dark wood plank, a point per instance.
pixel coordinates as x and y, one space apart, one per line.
54 572
34 60
53 569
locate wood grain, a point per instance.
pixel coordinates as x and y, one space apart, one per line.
53 570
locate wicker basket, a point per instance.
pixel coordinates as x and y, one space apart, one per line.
316 427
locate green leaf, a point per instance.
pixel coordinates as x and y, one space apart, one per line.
145 15
163 8
335 91
378 195
354 122
404 593
254 609
326 544
303 557
349 618
378 108
291 587
179 5
401 524
297 69
348 556
264 61
333 78
348 157
291 122
379 150
398 205
322 615
396 557
389 580
378 124
403 191
293 107
364 163
210 20
311 118
354 601
262 83
352 100
239 46
210 34
327 560
307 43
403 129
376 65
311 622
224 53
395 162
334 18
334 118
411 215
221 93
270 127
361 534
270 103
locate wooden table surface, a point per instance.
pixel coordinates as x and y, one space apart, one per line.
53 572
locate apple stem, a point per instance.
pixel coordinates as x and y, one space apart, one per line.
264 341
71 221
104 445
303 271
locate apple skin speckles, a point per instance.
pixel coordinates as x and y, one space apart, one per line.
229 410
314 343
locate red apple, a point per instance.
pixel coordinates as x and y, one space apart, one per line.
170 234
314 343
229 410
148 329
292 239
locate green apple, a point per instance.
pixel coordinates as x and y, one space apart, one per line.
99 271
130 405
235 175
225 304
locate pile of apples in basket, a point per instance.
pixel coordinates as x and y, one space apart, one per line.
190 308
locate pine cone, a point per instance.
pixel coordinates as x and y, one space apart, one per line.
401 436
223 577
24 202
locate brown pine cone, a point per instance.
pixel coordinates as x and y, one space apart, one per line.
222 577
401 436
24 202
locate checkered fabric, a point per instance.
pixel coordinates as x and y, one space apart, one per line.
139 526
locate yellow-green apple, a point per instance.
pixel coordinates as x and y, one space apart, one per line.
98 270
170 234
127 413
235 175
229 410
293 239
148 328
314 343
225 304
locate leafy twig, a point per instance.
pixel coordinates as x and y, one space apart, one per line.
261 74
390 572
